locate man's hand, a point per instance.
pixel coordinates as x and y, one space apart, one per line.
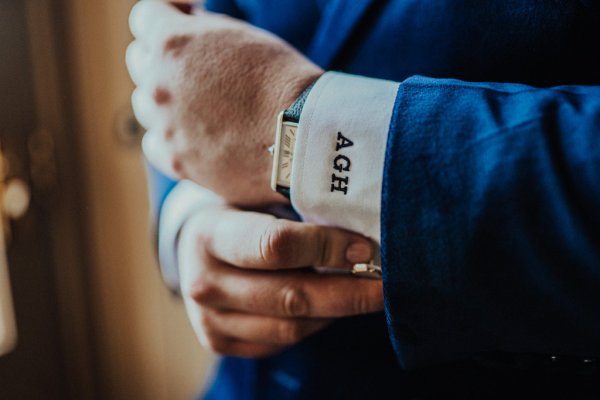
208 90
247 288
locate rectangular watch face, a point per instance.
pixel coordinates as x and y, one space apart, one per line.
283 157
286 153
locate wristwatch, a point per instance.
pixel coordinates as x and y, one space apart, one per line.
283 157
285 140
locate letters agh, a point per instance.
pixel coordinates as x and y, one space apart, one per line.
341 164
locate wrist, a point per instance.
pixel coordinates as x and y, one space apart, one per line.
286 131
279 93
296 86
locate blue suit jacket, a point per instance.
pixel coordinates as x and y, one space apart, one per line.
490 207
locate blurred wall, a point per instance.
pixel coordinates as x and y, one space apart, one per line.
143 342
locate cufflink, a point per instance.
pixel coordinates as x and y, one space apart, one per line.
369 270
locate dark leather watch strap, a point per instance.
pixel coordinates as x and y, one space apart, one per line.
292 114
284 191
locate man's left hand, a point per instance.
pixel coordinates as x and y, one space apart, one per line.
209 88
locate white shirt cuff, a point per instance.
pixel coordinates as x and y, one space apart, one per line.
339 154
184 200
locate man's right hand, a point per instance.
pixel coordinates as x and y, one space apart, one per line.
209 89
246 285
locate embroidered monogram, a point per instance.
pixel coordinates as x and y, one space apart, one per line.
341 164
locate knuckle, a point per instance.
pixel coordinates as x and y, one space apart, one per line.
202 291
176 44
161 96
178 158
276 243
177 166
294 302
170 134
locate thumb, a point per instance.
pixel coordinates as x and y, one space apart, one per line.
259 241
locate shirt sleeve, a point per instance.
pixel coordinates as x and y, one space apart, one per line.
183 200
340 150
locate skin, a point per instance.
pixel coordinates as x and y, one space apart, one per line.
245 283
208 90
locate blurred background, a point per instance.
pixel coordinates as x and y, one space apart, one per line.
93 317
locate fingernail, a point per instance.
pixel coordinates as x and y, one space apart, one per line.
358 252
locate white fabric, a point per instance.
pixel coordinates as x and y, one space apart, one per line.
185 198
361 109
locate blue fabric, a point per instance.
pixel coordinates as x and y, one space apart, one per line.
159 186
491 199
490 218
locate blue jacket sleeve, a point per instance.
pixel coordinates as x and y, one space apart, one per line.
159 187
491 220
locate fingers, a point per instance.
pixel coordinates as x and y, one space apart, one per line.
226 337
145 109
138 62
156 151
256 313
154 19
227 346
260 329
288 295
248 335
260 241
